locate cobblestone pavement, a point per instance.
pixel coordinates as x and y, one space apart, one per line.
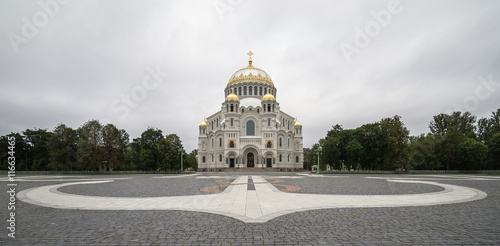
470 223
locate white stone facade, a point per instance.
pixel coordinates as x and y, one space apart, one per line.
250 130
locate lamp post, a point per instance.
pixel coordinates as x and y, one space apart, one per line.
319 151
181 151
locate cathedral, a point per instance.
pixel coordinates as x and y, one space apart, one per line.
250 130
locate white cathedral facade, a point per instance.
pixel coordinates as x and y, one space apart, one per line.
250 130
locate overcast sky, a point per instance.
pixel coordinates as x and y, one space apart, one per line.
166 63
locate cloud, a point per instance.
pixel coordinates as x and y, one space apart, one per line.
91 53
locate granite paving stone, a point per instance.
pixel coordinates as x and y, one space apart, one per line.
468 223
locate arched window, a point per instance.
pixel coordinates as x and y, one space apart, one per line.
280 143
220 142
255 90
269 144
280 158
269 108
220 158
217 122
268 121
212 142
258 111
288 143
242 110
250 90
265 91
250 128
297 159
203 159
260 91
232 108
239 91
231 121
231 144
245 90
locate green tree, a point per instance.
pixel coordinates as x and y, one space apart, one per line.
62 148
472 154
489 127
190 160
422 153
114 142
36 141
150 158
19 151
308 159
374 145
90 151
494 151
354 152
330 153
464 123
311 156
350 147
397 142
132 156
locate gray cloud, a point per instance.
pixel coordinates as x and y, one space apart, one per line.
92 53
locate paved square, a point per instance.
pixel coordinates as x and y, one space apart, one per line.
256 208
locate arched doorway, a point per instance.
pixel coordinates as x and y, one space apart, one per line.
250 160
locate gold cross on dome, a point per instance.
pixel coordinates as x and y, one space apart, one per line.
250 59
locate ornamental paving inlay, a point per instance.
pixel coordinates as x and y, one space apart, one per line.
251 206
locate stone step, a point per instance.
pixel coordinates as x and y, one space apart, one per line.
251 169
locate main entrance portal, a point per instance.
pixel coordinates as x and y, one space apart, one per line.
250 160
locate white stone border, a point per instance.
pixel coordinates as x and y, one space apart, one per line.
249 206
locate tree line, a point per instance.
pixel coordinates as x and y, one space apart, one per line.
456 141
95 147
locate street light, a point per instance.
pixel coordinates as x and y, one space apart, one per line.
319 151
181 151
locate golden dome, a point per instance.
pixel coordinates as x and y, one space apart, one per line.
250 74
232 97
203 123
268 97
297 123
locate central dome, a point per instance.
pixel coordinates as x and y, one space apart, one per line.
250 74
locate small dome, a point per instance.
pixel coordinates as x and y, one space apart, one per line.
203 123
297 123
232 97
268 97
